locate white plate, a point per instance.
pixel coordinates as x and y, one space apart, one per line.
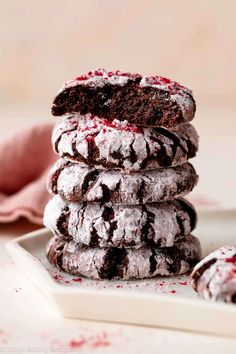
163 302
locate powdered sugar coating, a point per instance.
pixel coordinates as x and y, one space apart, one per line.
214 278
95 141
100 77
120 226
76 183
105 263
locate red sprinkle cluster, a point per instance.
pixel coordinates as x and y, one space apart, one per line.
97 72
168 84
93 342
163 81
58 277
103 73
127 128
106 124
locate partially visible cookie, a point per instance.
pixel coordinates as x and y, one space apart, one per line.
77 184
141 100
97 141
113 225
115 263
214 278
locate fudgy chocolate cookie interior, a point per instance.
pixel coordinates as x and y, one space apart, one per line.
138 105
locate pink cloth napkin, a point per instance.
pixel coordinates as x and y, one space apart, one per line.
25 158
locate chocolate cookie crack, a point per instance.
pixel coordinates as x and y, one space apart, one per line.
187 207
108 216
62 222
73 129
56 253
133 155
106 193
89 180
145 161
80 215
141 191
176 140
196 276
192 149
172 256
153 262
147 231
95 239
55 175
114 263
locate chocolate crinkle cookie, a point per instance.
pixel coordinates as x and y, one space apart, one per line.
125 263
76 183
122 226
214 278
117 210
140 100
91 140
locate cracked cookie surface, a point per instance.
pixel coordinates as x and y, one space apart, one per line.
76 183
141 100
96 141
122 226
116 263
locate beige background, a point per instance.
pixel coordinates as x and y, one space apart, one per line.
45 42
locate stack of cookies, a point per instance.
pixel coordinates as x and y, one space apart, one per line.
117 209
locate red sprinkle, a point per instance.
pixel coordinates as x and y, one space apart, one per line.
58 277
89 138
79 280
230 260
165 80
183 283
77 343
172 291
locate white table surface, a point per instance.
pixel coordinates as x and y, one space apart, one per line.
29 323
